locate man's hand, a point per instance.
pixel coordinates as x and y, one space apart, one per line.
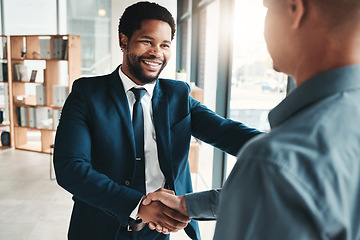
168 198
159 214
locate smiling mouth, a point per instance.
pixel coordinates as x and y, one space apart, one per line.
155 65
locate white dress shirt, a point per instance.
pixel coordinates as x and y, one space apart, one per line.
154 178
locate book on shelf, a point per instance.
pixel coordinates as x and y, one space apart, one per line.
44 48
22 116
40 94
32 117
33 75
3 72
18 115
59 48
60 94
43 118
23 113
20 72
39 117
3 49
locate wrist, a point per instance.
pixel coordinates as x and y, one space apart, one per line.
183 205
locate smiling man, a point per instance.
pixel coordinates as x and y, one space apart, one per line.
127 134
147 51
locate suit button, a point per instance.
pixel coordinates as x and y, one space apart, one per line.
127 183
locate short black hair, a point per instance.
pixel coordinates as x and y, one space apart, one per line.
134 15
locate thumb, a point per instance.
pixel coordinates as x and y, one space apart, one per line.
154 196
146 201
166 190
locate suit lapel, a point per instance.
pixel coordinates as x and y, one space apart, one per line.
118 95
162 127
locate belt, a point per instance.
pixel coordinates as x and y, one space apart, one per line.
134 227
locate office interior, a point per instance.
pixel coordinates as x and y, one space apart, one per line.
218 49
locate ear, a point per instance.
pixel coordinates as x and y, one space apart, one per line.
123 41
297 11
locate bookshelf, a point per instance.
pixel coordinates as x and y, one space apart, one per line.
5 89
42 70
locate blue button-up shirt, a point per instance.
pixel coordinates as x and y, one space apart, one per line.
302 180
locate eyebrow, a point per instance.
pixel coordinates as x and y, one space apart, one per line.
151 38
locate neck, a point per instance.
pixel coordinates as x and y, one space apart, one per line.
328 54
126 71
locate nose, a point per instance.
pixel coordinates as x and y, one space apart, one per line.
156 51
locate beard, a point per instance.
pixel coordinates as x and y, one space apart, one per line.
134 64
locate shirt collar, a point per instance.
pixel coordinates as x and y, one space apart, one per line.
313 90
129 84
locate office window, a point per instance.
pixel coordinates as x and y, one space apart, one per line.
185 47
184 7
29 17
184 37
255 87
208 52
1 18
207 73
208 37
91 20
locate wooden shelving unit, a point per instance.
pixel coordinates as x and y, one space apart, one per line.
37 133
5 105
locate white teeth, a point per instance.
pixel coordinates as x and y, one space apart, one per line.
152 64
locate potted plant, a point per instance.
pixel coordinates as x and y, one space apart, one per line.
181 75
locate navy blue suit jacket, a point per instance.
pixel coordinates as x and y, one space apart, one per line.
94 153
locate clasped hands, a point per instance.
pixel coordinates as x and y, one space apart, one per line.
164 211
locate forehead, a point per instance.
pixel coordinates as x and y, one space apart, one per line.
154 28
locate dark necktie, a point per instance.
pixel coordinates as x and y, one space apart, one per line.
138 182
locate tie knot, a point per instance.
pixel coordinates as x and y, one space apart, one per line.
139 93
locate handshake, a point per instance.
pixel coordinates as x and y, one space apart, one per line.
164 211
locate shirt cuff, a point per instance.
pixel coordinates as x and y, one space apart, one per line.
134 213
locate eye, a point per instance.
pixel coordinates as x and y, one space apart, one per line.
165 46
147 42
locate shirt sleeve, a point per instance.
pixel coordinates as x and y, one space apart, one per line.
202 205
134 213
261 200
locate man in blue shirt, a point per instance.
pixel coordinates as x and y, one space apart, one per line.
302 180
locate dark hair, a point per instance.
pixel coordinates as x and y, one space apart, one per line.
138 12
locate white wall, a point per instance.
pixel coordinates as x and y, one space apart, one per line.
117 9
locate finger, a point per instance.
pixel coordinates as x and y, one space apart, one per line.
157 196
158 228
165 231
152 226
166 190
167 199
154 212
171 224
146 201
176 215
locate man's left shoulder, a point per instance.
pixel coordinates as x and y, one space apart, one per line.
173 85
